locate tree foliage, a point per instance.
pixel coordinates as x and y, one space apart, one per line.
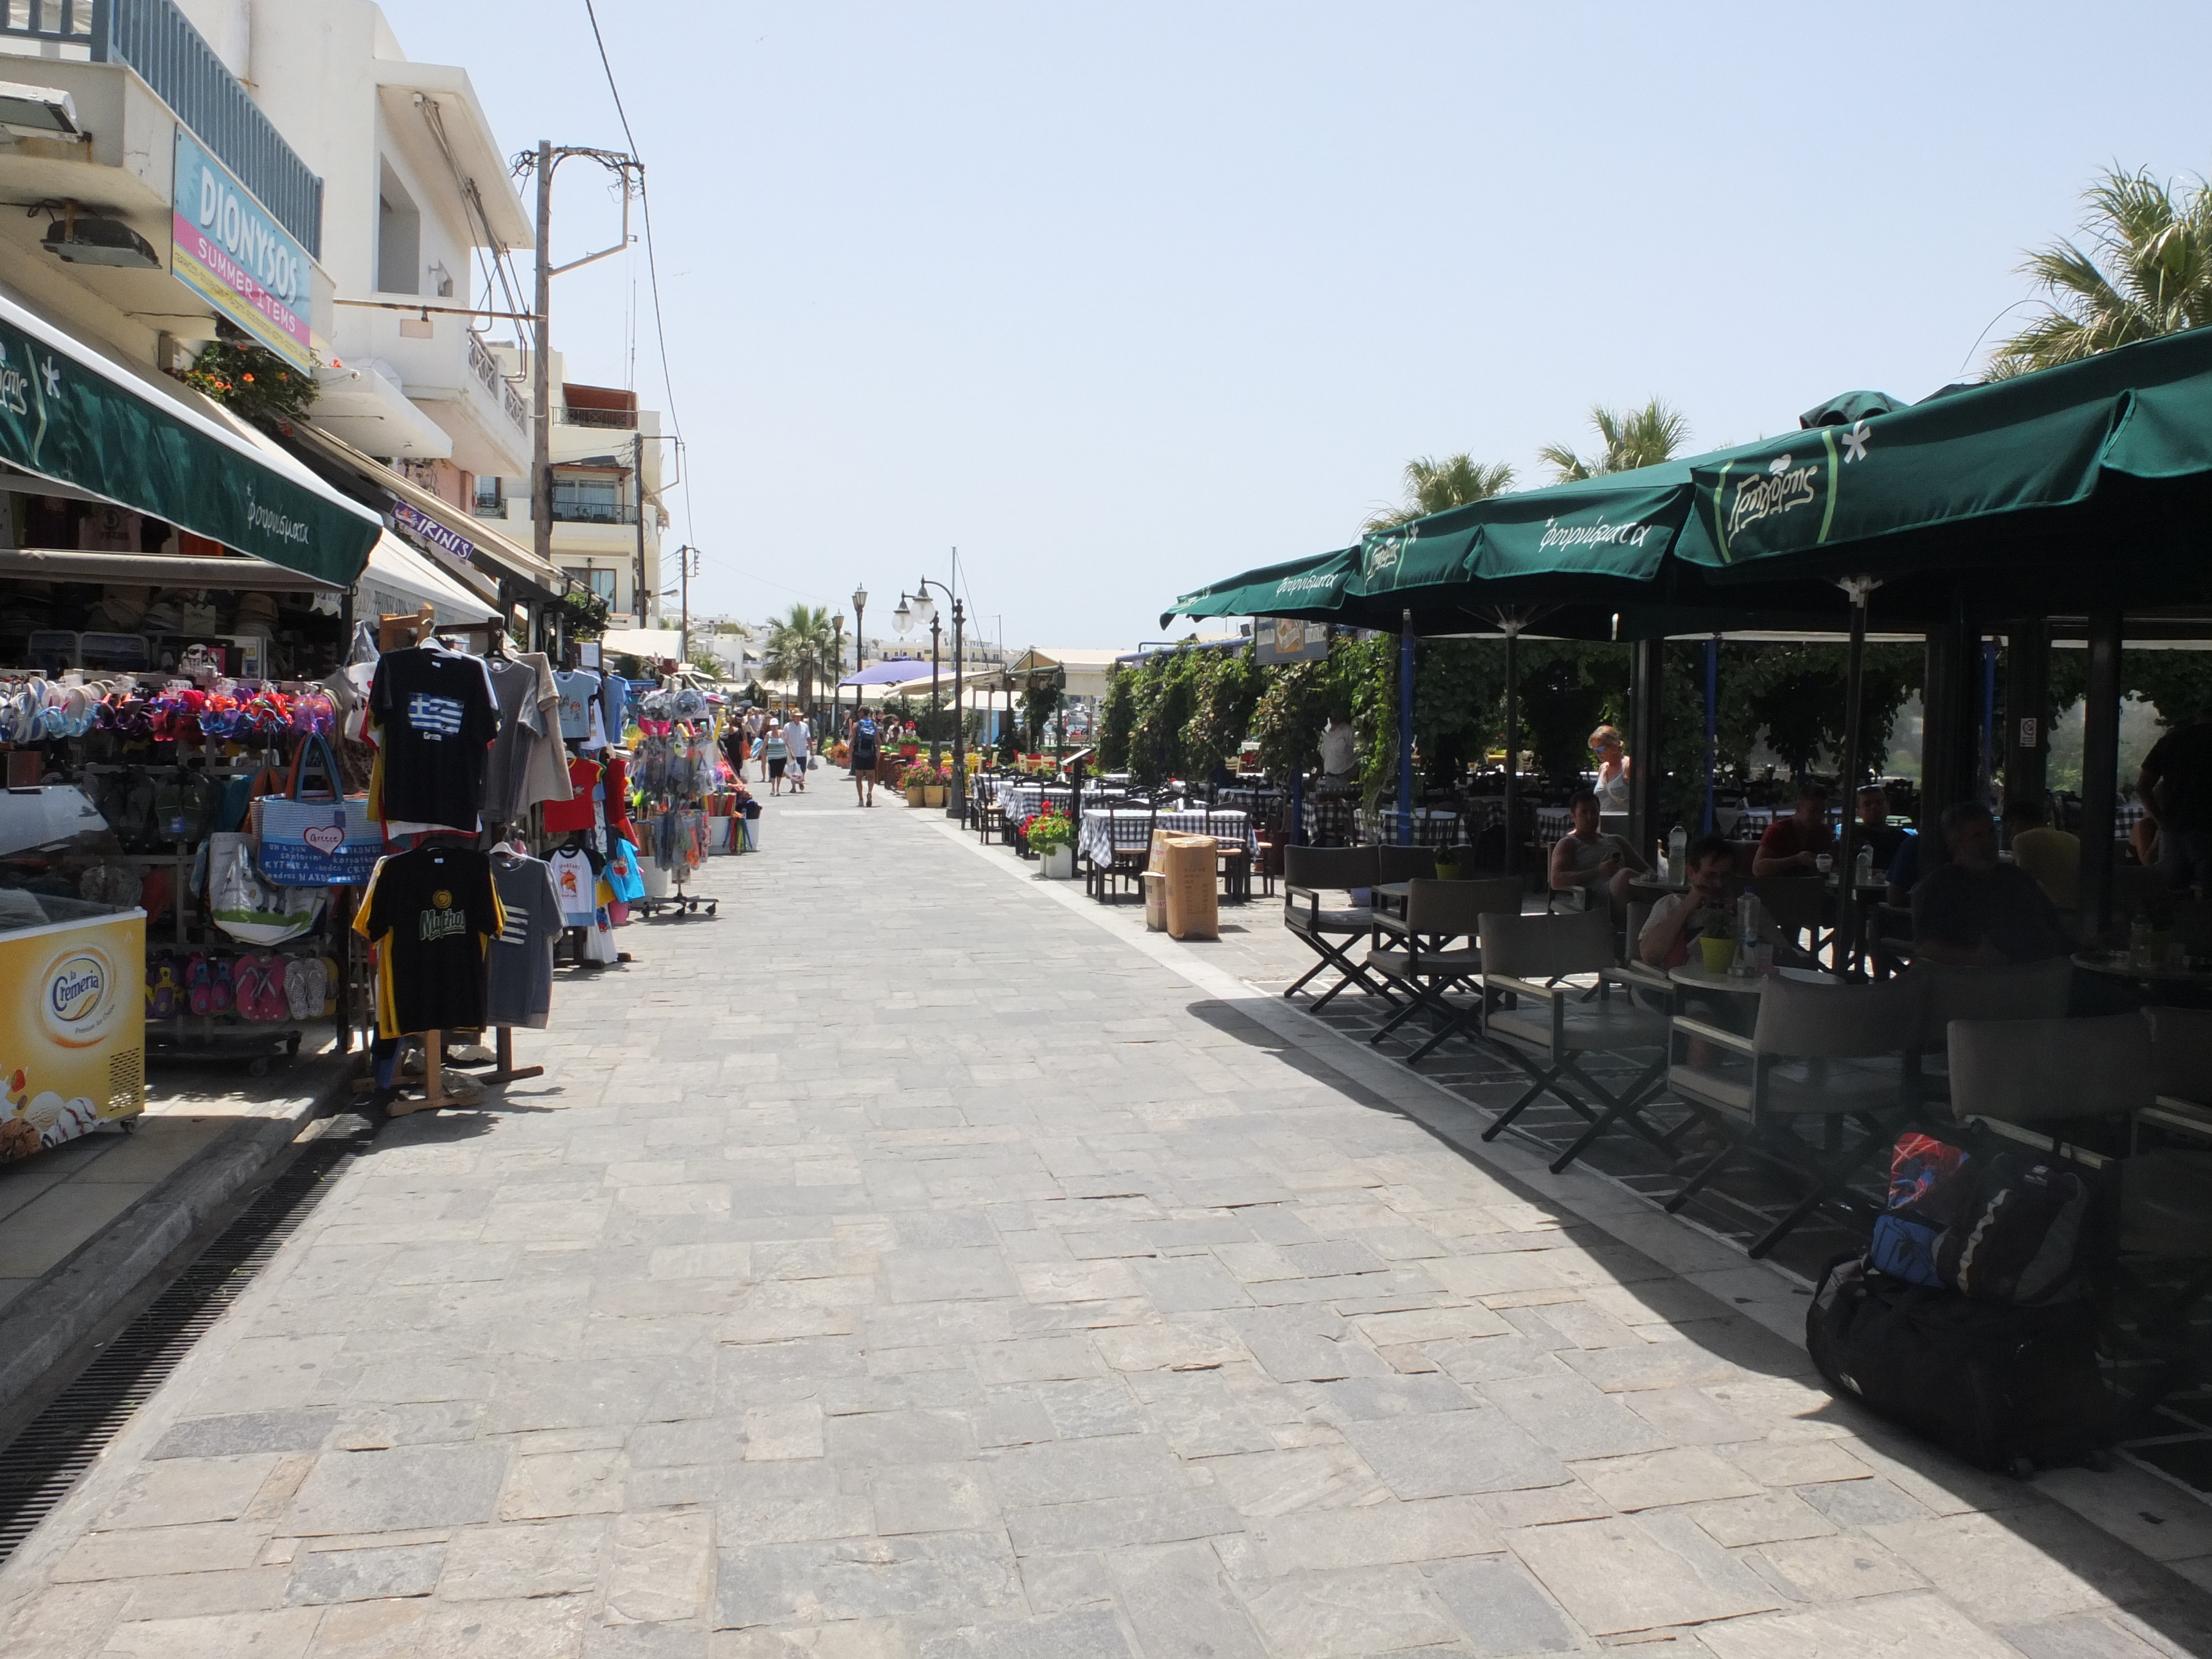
1432 486
801 645
2147 272
1632 438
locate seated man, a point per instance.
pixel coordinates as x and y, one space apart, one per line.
2052 856
1793 846
1976 911
1874 829
1676 920
1593 864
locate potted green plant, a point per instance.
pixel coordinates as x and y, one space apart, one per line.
937 781
1051 836
915 780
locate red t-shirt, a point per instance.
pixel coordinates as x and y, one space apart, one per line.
1786 838
563 817
618 781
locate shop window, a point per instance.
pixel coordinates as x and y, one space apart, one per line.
603 583
490 497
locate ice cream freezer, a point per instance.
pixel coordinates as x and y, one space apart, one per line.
72 1019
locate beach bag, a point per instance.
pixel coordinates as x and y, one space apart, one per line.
2003 1387
622 873
328 843
252 910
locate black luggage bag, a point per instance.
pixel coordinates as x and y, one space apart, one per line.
2004 1386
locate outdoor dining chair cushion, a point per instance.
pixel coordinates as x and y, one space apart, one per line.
1612 1023
1327 869
1829 1050
1405 863
2020 990
2181 1048
2031 1071
1540 948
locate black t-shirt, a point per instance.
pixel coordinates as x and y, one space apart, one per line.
1960 906
436 722
430 913
2182 762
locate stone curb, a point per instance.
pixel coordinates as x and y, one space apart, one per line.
71 1299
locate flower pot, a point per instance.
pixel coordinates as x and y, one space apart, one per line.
932 794
914 794
1058 864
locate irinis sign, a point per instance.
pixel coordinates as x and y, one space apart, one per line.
231 252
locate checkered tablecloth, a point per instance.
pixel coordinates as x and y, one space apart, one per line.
1104 832
1552 823
1020 801
1328 823
1255 801
1432 826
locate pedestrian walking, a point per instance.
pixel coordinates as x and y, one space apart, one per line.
798 742
774 756
864 752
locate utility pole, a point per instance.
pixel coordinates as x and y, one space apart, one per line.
637 478
547 156
683 557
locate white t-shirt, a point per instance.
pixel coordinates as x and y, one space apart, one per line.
796 737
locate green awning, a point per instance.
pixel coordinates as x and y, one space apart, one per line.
1313 588
2049 440
69 414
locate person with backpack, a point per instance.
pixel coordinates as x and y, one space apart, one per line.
864 751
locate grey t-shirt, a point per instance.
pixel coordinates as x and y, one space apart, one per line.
515 689
519 964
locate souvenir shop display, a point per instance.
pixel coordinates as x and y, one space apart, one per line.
139 722
678 764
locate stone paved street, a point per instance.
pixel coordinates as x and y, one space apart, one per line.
914 1262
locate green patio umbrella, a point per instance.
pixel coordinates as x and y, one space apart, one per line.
1311 588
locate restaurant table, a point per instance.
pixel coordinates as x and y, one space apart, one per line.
1694 976
1328 820
1021 801
1248 799
2194 974
1432 826
1103 832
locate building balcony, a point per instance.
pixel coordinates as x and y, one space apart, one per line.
569 509
450 375
159 42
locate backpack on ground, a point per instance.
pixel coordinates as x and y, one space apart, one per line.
2002 1386
2022 1235
1928 1182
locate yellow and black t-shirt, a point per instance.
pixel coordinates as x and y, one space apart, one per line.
431 915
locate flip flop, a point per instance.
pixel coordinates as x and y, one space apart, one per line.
276 1001
249 982
199 984
298 987
326 984
223 995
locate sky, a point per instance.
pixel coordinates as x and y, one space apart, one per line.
1120 300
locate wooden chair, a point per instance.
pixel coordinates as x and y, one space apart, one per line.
1535 960
1234 855
1421 960
1830 1053
1308 872
1127 859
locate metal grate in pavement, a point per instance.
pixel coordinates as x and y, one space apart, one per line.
41 1464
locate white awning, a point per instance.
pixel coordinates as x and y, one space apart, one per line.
399 580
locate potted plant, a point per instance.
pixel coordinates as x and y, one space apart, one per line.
915 780
937 780
1051 836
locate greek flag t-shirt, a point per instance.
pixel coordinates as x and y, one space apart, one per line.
435 720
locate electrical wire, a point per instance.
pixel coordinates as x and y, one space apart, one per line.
651 262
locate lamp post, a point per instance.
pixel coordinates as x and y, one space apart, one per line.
924 609
837 672
859 642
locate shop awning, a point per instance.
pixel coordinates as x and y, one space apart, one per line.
160 570
659 644
455 539
400 579
70 413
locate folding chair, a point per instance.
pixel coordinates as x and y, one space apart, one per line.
1308 871
1421 960
1535 958
1234 853
1395 864
1833 1053
2024 990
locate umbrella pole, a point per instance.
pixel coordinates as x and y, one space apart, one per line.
1712 722
1847 895
1512 746
1406 728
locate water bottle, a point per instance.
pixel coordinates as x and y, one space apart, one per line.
1863 867
1747 936
1677 848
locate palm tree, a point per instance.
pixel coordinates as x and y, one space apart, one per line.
800 643
2148 272
1432 485
1638 437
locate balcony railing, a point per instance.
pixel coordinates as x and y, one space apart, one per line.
581 509
159 41
485 367
622 419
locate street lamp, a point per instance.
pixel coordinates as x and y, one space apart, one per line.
924 610
859 642
837 659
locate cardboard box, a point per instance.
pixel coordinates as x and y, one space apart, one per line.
1194 902
1156 902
